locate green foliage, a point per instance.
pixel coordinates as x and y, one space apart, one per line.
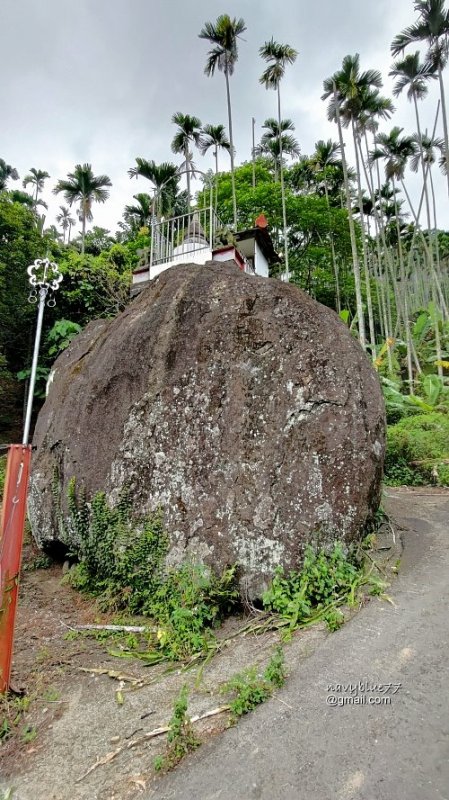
181 738
418 449
120 559
433 395
189 602
122 562
41 379
327 579
94 286
313 228
12 710
249 688
20 244
275 670
60 336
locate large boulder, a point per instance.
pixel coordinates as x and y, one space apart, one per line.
242 407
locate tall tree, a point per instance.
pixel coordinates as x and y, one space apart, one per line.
214 136
223 35
414 76
164 178
65 221
346 90
396 150
85 188
277 141
326 156
188 133
278 56
139 214
36 178
7 172
432 27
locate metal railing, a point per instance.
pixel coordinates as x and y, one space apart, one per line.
179 238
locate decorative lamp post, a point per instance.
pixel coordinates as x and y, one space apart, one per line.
44 277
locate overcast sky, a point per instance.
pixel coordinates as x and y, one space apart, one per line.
98 80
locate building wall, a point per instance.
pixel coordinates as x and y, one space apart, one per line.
260 262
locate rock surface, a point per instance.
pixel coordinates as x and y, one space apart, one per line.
240 405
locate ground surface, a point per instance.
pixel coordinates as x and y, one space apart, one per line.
312 751
296 746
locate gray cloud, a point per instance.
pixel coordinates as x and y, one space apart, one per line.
99 80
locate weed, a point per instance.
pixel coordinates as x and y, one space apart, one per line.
40 562
249 688
122 562
181 738
275 669
29 734
7 794
324 580
51 695
12 710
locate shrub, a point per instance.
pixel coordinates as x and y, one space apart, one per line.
417 448
326 579
122 562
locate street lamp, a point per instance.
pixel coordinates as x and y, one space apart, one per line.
44 277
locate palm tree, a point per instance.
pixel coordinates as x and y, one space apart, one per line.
278 56
396 150
37 178
432 27
326 156
7 172
85 188
273 148
164 178
414 76
65 221
428 148
347 90
223 36
276 141
189 132
372 107
214 136
139 214
17 196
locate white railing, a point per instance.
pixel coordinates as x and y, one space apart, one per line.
179 238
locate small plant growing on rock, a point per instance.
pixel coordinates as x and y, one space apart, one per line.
122 563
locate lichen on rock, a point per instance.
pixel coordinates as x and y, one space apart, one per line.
238 404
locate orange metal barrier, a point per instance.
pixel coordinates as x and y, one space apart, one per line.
11 540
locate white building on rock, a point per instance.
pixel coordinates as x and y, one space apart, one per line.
197 238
